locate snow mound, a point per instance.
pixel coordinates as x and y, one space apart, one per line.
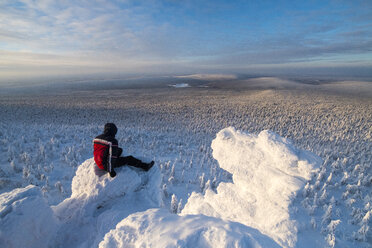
25 219
86 183
159 228
97 204
267 172
89 191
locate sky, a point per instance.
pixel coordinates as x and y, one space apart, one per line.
72 37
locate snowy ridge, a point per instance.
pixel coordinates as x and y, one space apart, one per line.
267 173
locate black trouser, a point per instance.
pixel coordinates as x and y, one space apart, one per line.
131 161
128 160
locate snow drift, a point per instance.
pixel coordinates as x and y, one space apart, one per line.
25 219
159 228
267 172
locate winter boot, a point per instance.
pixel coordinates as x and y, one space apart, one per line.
148 166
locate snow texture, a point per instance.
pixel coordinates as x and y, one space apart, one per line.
127 211
159 228
98 203
25 219
258 207
267 172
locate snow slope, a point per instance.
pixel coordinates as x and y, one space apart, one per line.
259 207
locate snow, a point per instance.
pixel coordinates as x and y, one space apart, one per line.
252 211
159 228
26 220
46 141
182 85
209 77
267 172
272 83
360 88
97 202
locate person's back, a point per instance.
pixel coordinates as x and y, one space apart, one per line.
106 147
107 153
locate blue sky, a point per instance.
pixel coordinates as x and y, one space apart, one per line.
40 38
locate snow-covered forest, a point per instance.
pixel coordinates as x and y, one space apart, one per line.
220 179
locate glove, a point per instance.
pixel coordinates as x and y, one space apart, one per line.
112 174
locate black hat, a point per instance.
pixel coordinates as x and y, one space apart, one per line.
110 129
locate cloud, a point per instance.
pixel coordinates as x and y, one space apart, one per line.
178 36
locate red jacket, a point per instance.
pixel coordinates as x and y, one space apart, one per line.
105 148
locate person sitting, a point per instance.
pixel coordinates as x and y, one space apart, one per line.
107 153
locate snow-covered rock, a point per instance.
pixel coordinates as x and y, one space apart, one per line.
159 228
267 172
25 219
98 203
87 184
92 190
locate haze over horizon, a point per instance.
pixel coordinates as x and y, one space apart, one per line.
49 38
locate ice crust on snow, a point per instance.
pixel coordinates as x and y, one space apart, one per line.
159 228
26 220
267 172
